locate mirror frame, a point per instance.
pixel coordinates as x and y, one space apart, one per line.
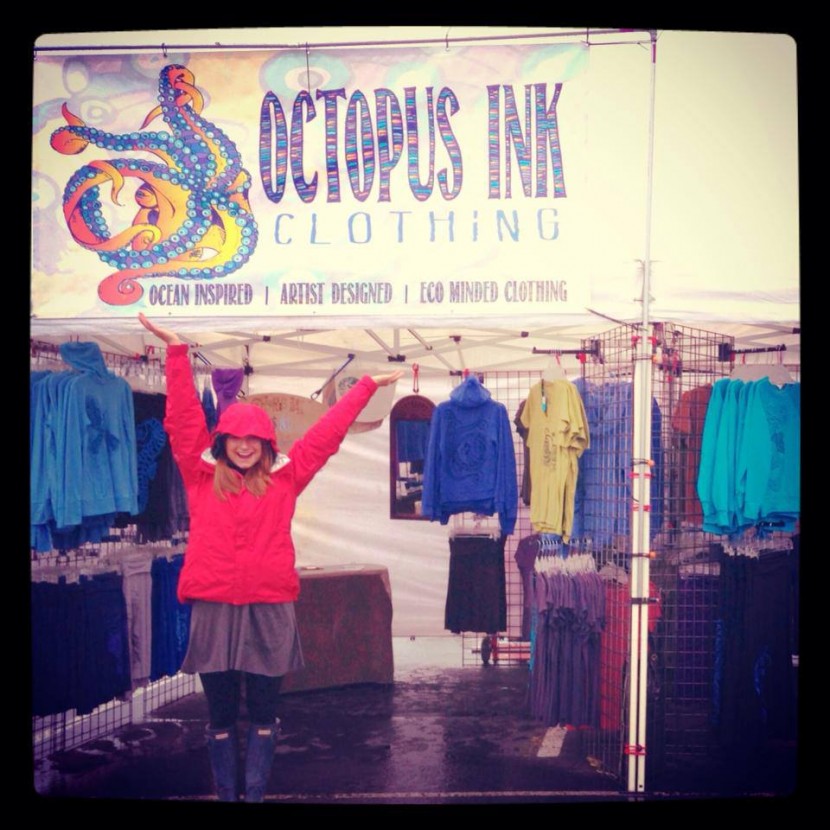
409 408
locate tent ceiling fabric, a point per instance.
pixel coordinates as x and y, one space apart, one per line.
316 353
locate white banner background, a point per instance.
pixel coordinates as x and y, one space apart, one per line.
491 233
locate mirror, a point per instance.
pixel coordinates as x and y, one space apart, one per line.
409 423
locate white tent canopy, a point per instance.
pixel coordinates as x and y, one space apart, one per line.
714 209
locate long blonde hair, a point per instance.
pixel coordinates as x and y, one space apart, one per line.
256 479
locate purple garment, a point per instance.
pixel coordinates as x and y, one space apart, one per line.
226 384
569 612
525 556
522 430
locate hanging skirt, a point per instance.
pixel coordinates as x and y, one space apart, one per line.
261 638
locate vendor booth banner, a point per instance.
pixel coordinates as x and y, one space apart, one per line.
397 182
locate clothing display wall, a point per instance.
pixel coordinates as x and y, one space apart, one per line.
106 502
690 693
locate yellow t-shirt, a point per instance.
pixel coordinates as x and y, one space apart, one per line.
556 438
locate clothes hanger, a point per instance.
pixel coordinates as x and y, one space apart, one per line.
481 526
777 373
554 370
614 573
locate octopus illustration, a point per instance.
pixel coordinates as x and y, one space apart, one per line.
193 221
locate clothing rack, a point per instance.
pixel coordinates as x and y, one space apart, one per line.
143 371
97 559
726 353
594 350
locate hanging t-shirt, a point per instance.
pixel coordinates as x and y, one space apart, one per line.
557 435
521 429
687 422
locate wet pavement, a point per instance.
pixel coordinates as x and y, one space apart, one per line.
436 736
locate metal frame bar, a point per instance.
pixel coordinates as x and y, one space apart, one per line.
641 489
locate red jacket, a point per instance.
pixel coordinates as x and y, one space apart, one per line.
240 550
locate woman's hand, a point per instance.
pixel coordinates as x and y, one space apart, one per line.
388 380
169 337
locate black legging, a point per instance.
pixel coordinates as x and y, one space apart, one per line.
223 693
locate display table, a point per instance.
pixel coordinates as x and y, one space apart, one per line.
344 614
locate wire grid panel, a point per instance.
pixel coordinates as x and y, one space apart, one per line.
63 731
685 580
680 617
688 647
606 500
687 361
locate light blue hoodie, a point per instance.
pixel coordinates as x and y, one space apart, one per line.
96 442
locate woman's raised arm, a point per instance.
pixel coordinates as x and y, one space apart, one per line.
169 337
387 380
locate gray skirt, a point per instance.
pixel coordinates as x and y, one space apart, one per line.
261 638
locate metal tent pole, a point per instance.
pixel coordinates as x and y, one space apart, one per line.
641 491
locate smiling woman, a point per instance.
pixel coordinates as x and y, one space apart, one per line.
244 452
239 571
251 456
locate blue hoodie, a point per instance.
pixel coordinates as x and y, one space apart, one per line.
471 463
97 443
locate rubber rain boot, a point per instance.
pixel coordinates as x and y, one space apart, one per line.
259 756
223 748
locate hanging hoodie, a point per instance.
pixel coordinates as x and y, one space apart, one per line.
43 455
95 442
227 383
471 463
750 456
